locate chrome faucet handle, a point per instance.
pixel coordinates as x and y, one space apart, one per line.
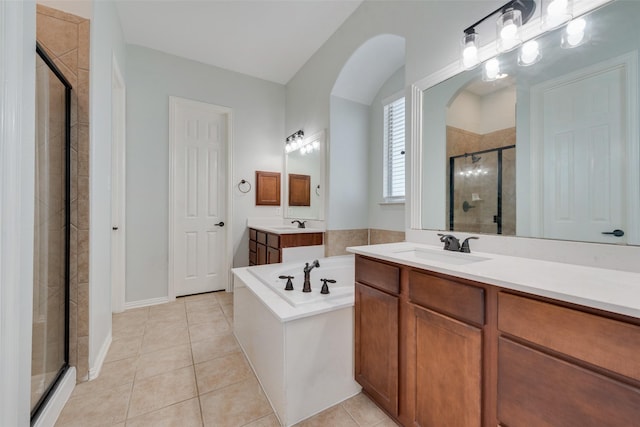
465 245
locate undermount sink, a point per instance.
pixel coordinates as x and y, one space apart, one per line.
443 256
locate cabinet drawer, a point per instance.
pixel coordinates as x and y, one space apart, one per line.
535 389
604 342
261 237
252 245
252 234
447 296
382 276
273 240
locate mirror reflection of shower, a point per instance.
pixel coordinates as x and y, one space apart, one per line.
481 140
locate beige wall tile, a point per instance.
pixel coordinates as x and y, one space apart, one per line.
377 236
82 366
156 392
83 309
69 73
73 334
83 203
181 414
338 240
235 405
73 131
83 45
83 96
58 35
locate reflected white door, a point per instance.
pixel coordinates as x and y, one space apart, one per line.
198 142
584 146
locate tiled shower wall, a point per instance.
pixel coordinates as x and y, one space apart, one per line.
65 38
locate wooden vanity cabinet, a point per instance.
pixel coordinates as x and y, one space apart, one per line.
266 248
561 366
376 331
447 342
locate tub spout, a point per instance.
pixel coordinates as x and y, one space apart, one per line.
307 275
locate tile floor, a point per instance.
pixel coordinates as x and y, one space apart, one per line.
178 364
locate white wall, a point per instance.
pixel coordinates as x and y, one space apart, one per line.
348 163
382 216
17 171
106 43
258 144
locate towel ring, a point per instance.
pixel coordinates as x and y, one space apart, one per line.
318 190
244 189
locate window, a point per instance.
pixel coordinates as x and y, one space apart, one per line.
394 151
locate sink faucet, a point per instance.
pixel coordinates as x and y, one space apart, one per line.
307 275
451 242
300 223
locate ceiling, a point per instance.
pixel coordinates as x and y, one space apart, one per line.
268 39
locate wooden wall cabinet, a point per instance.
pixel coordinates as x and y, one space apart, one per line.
267 188
299 190
434 350
266 248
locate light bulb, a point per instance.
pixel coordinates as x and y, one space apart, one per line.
529 53
508 30
574 34
470 50
492 69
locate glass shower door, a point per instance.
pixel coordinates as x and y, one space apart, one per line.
49 356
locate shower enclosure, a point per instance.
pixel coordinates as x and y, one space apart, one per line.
482 197
50 339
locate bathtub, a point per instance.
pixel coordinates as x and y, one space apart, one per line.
300 345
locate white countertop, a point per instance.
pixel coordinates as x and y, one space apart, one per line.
610 290
285 229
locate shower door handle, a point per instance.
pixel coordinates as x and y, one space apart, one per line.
617 233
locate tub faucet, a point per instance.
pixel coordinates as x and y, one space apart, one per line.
301 224
307 275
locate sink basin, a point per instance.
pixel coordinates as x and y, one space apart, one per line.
447 257
285 227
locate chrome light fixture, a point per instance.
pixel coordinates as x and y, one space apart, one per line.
294 141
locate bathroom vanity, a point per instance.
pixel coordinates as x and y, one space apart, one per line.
483 340
282 243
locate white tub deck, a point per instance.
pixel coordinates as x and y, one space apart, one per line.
301 351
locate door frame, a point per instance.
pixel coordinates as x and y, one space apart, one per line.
228 250
118 187
630 127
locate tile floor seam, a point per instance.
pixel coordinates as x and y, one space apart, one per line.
193 363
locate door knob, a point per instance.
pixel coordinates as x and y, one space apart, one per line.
617 233
114 228
220 224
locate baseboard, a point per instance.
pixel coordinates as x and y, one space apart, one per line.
145 302
61 395
97 367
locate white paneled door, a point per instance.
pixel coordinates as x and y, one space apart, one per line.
198 135
583 150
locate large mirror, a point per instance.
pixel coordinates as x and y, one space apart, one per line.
548 150
304 179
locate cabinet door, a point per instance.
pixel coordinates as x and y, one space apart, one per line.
273 255
376 336
536 389
261 251
448 371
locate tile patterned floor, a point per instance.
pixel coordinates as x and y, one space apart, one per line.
178 364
